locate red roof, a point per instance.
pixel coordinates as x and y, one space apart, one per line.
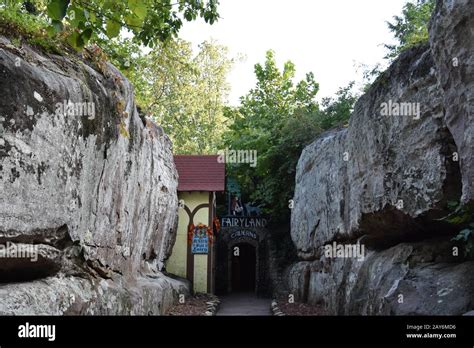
200 173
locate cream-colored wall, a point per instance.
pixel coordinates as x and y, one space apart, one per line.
200 273
177 262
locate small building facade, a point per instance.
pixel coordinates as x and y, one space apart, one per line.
194 252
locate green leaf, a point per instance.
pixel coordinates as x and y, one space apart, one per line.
51 31
112 28
57 9
76 41
58 25
188 15
92 17
86 35
141 11
108 4
55 27
76 16
138 7
133 21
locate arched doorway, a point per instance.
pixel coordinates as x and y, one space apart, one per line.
243 267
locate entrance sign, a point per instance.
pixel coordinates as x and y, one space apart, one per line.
245 222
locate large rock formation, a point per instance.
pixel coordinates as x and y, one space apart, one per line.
385 182
452 44
88 190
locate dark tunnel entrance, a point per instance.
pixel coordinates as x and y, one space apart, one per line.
244 265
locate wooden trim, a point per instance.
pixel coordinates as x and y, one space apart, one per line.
188 211
190 255
190 265
192 213
200 206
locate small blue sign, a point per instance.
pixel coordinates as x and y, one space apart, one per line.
200 244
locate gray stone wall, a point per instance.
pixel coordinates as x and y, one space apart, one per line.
92 190
385 181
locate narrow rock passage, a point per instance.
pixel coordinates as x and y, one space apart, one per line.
244 304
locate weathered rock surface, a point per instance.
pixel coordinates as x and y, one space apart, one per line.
95 186
385 181
347 177
452 44
410 278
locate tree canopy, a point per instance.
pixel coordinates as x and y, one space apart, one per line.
147 21
411 28
184 92
278 118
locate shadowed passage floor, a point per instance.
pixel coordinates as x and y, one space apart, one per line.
244 304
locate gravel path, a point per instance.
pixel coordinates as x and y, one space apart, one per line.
244 304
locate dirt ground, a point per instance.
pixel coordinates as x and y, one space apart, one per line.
296 309
193 306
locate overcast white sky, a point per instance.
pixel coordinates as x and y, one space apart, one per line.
324 36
